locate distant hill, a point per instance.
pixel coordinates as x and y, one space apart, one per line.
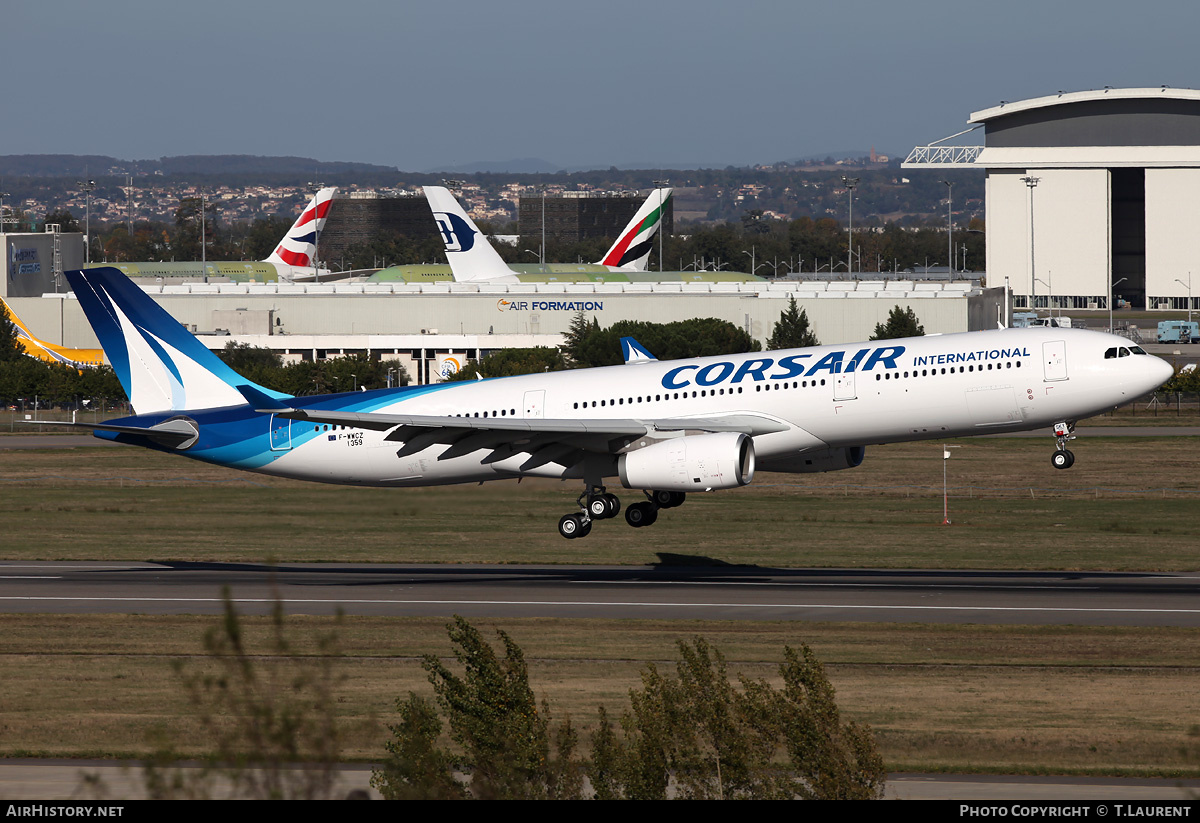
524 165
75 165
250 164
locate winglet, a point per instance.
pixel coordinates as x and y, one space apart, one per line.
263 403
634 352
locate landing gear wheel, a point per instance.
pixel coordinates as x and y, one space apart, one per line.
663 499
614 504
641 514
574 525
1063 459
599 508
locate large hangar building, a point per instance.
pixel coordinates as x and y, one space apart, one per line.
1092 196
422 325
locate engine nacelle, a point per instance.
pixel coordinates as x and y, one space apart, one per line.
826 460
698 462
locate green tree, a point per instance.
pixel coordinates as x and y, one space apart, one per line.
900 323
65 220
834 760
697 337
503 737
10 347
792 331
269 720
416 767
721 741
509 362
264 235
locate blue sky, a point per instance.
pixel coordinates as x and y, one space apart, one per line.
418 85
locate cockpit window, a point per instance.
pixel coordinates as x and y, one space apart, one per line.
1110 353
1123 352
1137 350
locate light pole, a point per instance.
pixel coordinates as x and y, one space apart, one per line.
949 226
88 186
1049 291
314 188
1189 288
203 238
1111 288
850 183
662 221
1032 182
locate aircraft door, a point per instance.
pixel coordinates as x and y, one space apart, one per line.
843 383
1054 359
535 401
281 434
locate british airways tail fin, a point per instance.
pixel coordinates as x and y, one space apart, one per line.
161 366
471 256
632 249
300 243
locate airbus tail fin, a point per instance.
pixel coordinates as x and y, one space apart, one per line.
300 243
632 249
471 256
635 352
159 363
79 358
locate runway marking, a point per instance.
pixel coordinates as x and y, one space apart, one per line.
30 577
828 585
625 604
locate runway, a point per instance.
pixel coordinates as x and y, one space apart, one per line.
646 592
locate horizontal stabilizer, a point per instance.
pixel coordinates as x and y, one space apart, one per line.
263 402
176 433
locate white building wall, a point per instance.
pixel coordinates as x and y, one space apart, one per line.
834 317
1172 242
1071 245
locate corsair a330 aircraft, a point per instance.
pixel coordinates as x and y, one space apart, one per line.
663 428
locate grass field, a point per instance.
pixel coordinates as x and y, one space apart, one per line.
1128 503
959 698
966 698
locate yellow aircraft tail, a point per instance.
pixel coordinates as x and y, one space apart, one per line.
79 358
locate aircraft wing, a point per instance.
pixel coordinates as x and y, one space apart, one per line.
545 440
746 423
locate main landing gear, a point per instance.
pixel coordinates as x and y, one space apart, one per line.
597 504
1063 433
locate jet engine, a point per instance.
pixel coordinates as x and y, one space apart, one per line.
698 462
826 460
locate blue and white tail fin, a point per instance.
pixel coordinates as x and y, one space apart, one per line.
159 363
300 243
471 256
635 352
632 249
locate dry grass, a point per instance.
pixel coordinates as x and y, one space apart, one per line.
1061 699
1056 699
1127 504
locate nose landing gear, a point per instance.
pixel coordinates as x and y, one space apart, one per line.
1063 433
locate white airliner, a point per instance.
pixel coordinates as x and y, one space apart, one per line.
664 428
291 260
472 258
